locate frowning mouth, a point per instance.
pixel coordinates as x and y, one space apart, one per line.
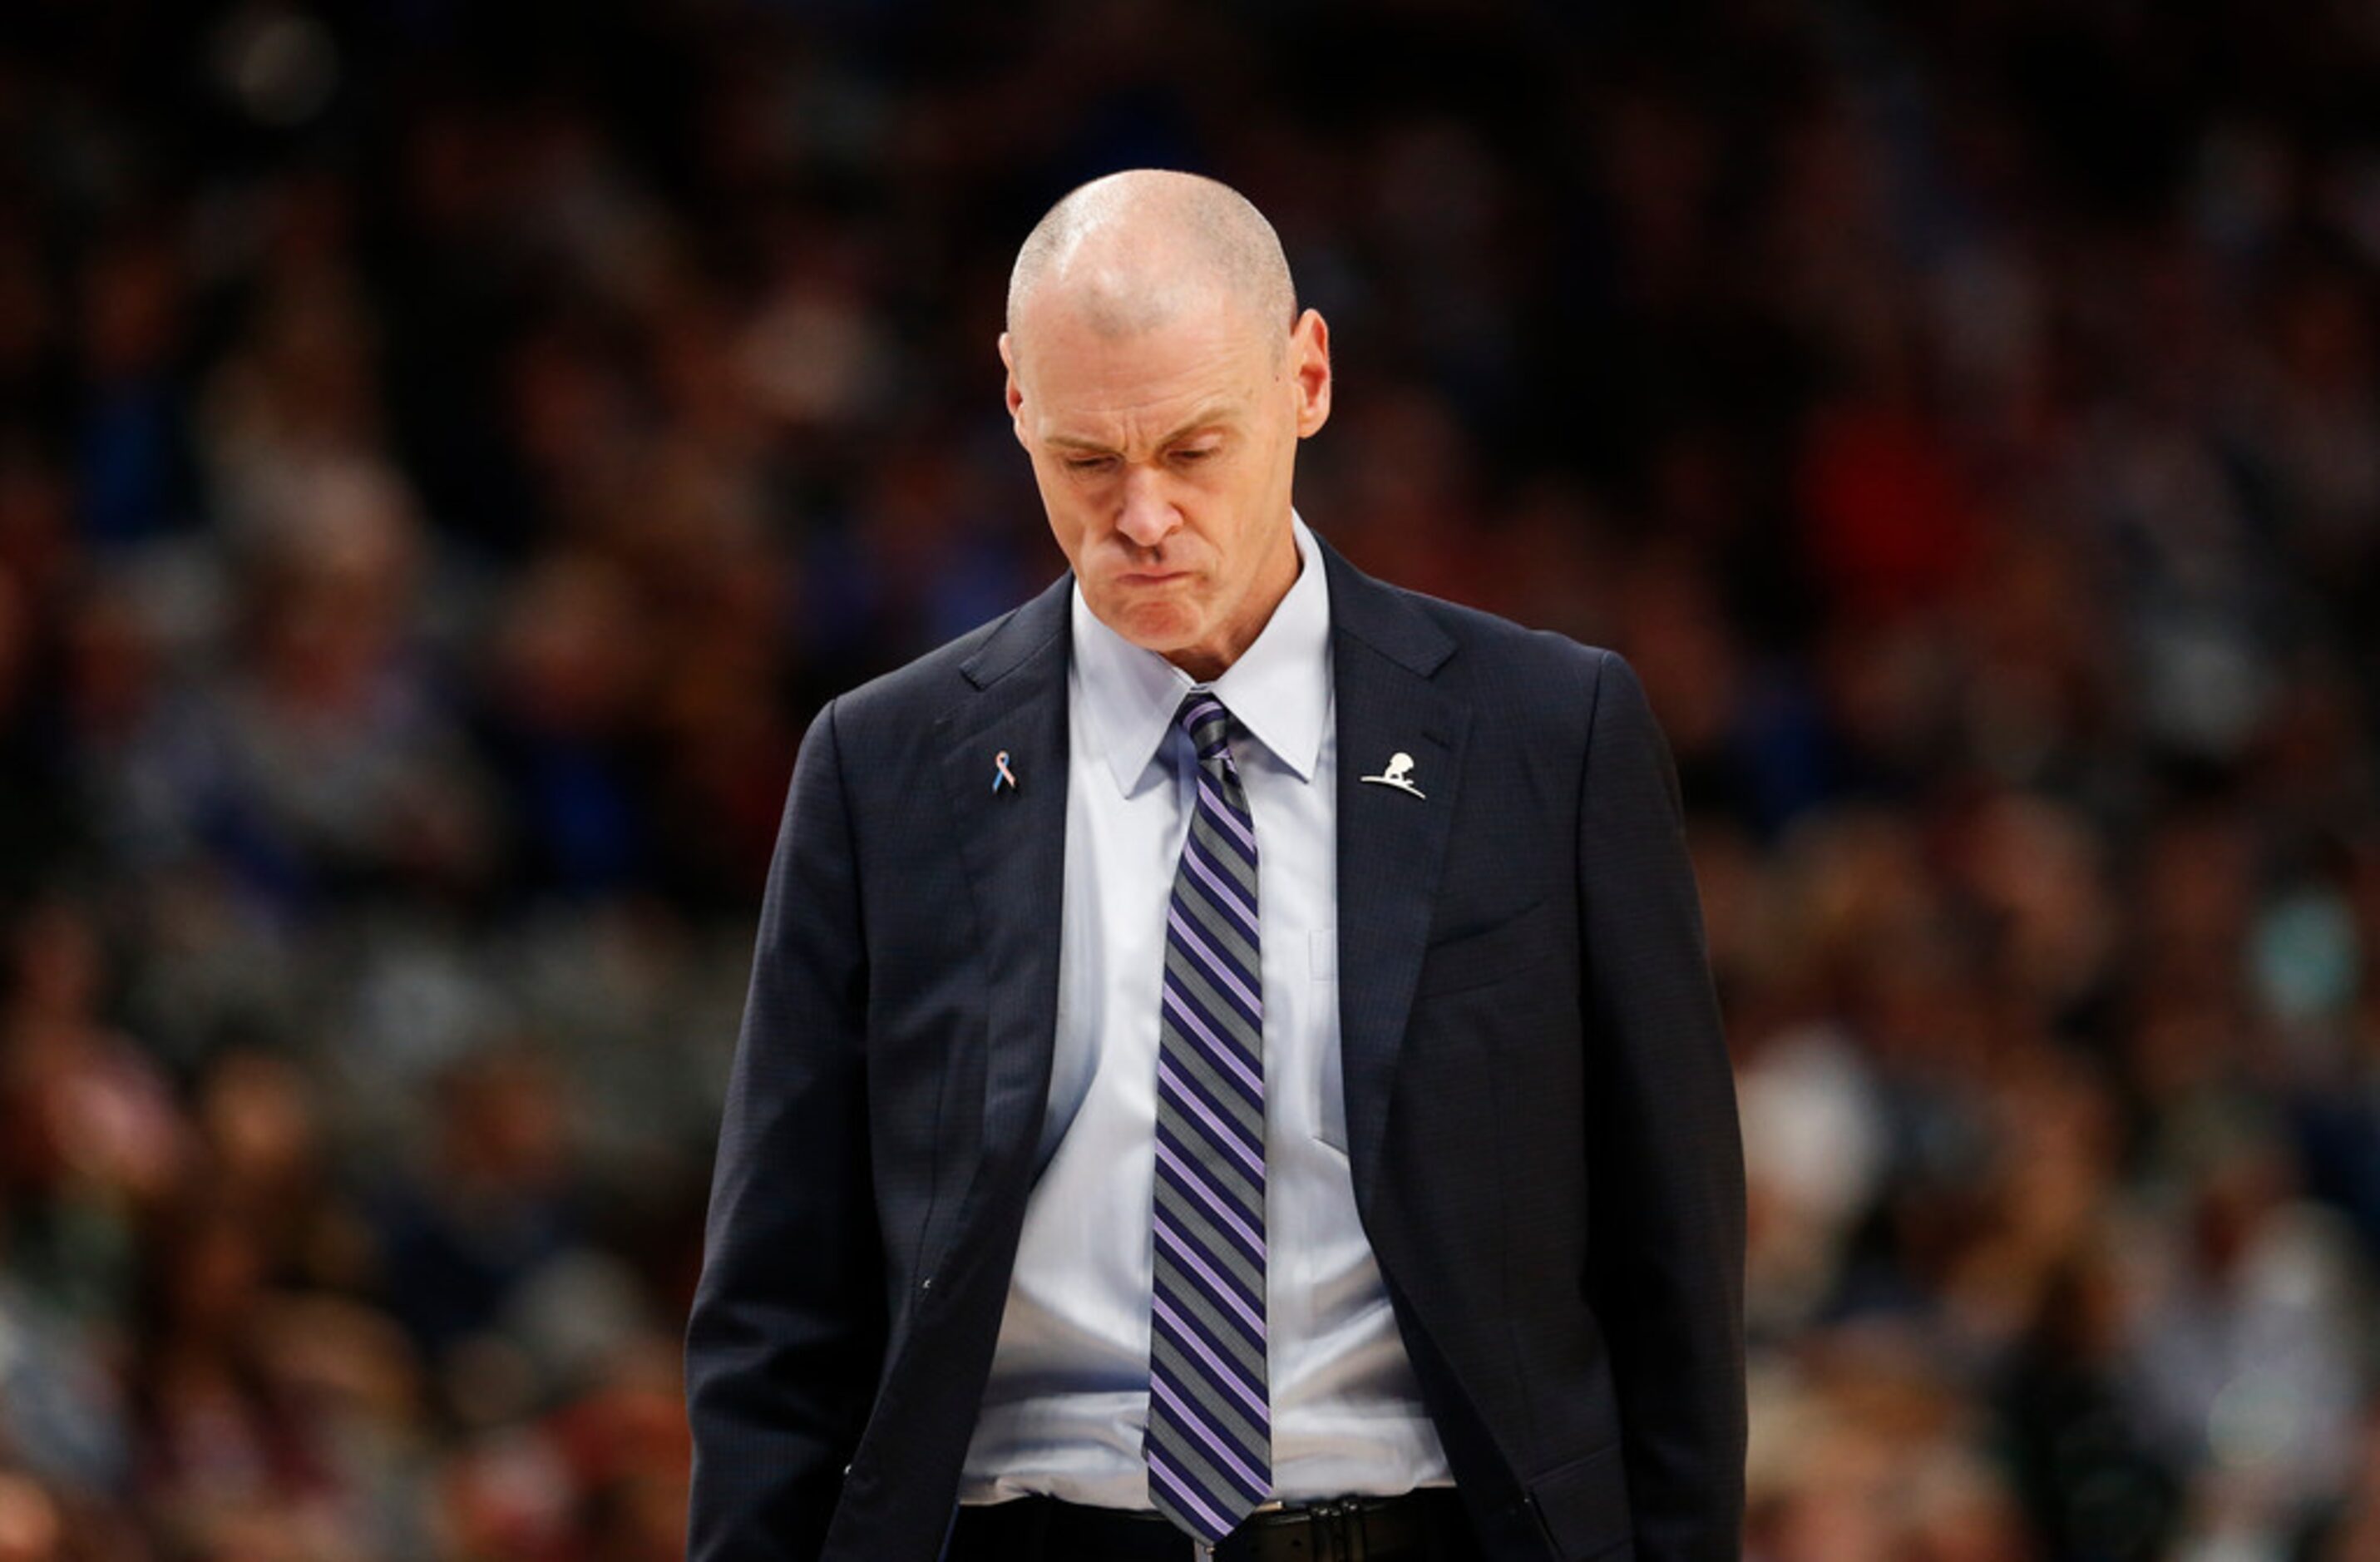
1151 577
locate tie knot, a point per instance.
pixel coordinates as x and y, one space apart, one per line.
1208 723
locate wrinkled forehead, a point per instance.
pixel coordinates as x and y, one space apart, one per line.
1060 334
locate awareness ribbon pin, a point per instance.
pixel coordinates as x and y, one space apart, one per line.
1001 774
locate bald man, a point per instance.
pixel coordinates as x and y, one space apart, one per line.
1230 1067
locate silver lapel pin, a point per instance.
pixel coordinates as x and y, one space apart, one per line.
1398 772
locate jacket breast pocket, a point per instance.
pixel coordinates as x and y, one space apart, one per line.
1582 1507
1490 954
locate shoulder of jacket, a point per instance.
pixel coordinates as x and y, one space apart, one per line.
933 678
1500 647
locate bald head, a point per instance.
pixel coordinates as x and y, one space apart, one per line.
1161 376
1133 251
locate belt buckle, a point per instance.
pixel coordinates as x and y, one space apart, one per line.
1338 1529
1335 1525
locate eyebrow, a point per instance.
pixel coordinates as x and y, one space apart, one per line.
1207 417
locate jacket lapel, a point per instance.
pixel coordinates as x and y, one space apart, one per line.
1384 654
1012 839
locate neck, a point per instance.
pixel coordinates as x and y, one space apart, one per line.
1209 662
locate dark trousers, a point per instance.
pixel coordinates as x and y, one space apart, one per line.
1423 1526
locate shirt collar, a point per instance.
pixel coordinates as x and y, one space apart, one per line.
1279 689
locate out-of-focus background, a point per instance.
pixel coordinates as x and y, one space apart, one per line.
447 450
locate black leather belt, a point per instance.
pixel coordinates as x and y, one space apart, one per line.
1421 1526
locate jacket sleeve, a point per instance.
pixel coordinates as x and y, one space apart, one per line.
787 1328
1666 1238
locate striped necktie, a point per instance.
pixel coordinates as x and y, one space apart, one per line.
1210 1440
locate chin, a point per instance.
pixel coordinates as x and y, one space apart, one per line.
1160 631
1148 619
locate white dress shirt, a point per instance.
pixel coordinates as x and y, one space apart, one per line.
1068 1395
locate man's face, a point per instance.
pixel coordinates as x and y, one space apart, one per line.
1163 457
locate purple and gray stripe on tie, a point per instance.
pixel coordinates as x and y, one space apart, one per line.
1209 1438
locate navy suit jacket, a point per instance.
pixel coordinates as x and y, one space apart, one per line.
1540 1115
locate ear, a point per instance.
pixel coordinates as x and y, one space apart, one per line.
1309 368
1015 394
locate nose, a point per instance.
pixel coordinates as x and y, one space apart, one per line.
1146 516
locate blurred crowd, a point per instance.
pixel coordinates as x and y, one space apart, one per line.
447 451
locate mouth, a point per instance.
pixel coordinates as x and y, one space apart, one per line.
1150 576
